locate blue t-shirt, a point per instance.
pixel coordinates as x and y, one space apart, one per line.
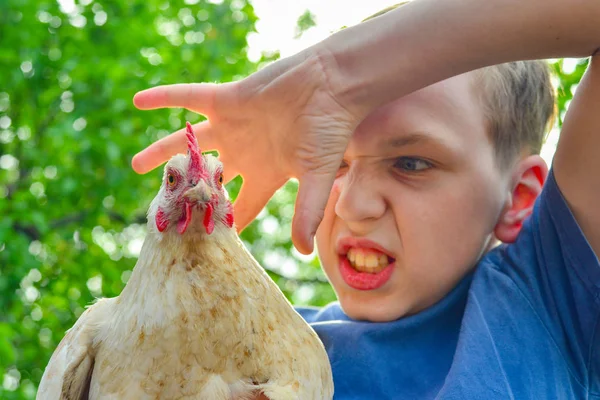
525 325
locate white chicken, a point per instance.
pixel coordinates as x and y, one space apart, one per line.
198 319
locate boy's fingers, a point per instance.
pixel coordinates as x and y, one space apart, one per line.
310 207
165 148
253 197
198 97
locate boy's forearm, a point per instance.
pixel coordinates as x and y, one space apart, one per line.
429 40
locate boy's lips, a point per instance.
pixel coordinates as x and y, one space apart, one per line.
345 244
357 274
364 280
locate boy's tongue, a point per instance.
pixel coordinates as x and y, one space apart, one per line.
367 260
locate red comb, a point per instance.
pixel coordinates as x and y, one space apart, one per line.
196 166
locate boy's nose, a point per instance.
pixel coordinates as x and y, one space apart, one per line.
358 200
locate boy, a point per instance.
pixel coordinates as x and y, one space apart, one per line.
426 185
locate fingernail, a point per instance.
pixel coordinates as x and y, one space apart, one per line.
135 164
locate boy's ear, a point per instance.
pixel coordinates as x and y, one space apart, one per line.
527 182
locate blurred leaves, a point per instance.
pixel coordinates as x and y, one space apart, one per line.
72 211
305 21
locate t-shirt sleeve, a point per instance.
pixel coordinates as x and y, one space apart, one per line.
308 313
555 267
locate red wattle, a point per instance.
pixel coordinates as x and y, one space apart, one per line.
229 219
162 222
209 223
185 218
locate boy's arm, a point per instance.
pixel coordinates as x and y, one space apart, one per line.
577 159
426 41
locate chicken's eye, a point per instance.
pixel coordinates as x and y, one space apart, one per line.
220 179
171 180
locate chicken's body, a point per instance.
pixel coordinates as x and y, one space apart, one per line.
198 319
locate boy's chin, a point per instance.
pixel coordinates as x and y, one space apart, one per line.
374 311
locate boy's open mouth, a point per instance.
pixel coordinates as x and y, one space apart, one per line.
364 264
368 260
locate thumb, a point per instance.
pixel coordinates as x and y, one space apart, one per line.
310 207
253 197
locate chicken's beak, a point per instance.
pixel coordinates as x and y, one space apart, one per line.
201 193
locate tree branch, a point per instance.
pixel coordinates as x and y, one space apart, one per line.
28 230
138 219
69 219
52 112
40 131
300 281
33 233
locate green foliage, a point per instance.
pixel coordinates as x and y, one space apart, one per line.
305 21
72 212
566 84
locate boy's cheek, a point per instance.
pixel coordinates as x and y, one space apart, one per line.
323 237
334 195
336 188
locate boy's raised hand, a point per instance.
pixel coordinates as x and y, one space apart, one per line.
294 118
301 133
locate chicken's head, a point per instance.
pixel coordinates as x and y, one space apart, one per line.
192 190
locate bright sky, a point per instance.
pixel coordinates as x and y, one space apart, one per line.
277 21
277 27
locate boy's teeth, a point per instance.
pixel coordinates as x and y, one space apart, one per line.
364 260
371 260
359 259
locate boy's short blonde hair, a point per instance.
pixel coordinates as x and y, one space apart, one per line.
518 101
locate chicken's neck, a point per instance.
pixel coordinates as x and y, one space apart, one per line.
186 275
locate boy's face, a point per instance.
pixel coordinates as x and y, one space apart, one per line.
414 205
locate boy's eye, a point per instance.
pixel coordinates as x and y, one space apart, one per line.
341 169
412 164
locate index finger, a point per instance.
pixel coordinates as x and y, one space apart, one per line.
165 148
198 97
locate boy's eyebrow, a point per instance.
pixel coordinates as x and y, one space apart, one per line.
412 138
